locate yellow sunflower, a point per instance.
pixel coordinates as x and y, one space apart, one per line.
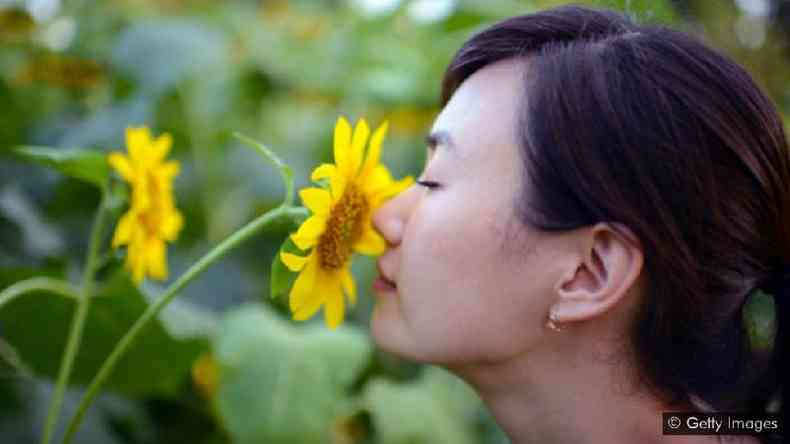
341 223
152 218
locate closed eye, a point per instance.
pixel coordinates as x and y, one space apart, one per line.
427 184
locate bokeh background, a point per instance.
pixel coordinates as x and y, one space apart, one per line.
224 364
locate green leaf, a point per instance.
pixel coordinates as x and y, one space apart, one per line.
117 196
88 165
280 383
36 325
438 408
759 321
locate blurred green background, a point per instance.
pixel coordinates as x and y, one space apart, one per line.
223 364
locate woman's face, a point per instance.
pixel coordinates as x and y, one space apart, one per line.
472 283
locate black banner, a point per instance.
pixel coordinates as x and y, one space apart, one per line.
721 423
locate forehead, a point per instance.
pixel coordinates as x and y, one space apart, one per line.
481 114
488 97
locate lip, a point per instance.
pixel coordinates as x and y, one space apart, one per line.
382 285
382 275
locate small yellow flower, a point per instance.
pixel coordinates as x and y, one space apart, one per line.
152 218
341 223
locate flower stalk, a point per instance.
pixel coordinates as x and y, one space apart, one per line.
80 315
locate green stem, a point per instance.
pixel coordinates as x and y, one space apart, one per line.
40 283
78 321
284 169
11 357
194 271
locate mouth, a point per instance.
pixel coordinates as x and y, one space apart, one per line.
383 284
382 277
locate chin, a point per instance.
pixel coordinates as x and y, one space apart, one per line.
381 328
389 334
392 340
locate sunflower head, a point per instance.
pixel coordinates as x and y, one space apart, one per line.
152 218
341 222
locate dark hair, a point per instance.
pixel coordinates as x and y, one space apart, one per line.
646 126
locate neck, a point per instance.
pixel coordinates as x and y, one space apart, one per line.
565 396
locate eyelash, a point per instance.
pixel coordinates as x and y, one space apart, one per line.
428 184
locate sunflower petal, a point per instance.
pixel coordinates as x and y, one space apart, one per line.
393 188
323 171
137 267
141 197
135 259
123 232
377 179
137 141
167 171
342 143
374 150
318 200
371 243
361 133
120 163
309 309
309 232
349 286
334 310
172 222
338 184
160 147
304 287
292 261
156 259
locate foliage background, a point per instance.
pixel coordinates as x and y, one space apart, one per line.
76 73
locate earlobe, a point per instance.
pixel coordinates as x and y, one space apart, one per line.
606 268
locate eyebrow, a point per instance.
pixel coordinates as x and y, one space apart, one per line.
437 138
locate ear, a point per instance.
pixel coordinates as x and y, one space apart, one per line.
608 266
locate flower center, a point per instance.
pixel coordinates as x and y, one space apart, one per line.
343 229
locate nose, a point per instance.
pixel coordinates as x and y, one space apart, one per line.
391 217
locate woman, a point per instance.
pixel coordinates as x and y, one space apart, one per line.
599 200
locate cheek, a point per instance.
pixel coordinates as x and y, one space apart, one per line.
457 295
454 242
441 244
